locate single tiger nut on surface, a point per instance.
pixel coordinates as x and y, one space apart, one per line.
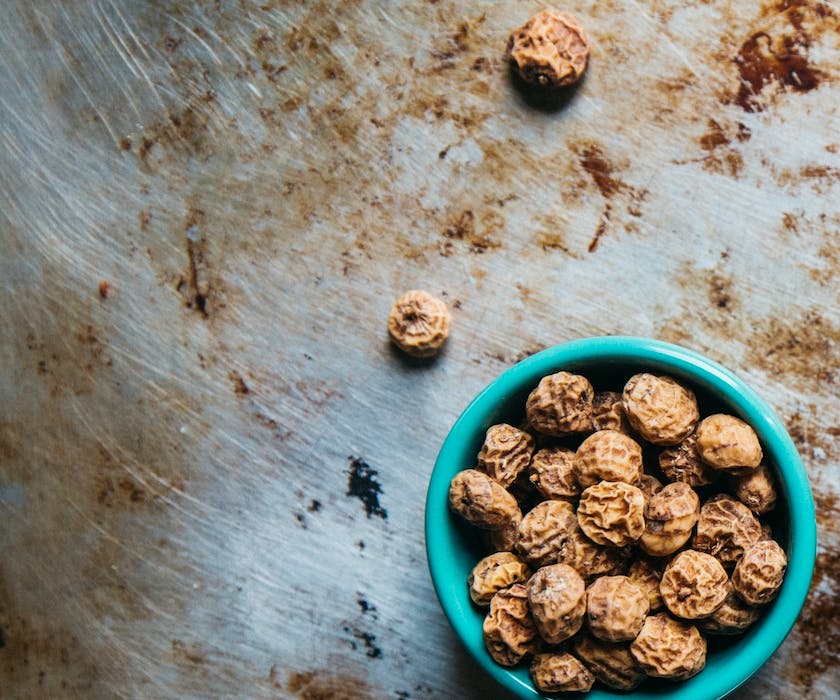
661 410
505 453
495 572
557 596
694 585
733 617
552 473
481 501
682 463
758 575
612 513
611 663
646 573
670 515
560 673
608 456
756 490
509 631
544 530
615 608
561 405
550 50
419 323
668 648
728 443
590 559
725 529
608 412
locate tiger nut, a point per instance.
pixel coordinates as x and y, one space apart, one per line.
612 513
648 485
646 574
725 529
670 515
552 473
755 490
608 412
682 463
505 453
694 585
509 631
668 648
611 663
419 323
560 673
590 559
495 572
660 409
544 530
758 575
733 617
561 405
505 538
557 596
481 501
615 608
551 49
728 443
608 456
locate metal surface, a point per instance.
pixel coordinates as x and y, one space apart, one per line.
212 465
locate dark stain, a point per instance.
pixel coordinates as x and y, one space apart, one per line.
372 651
464 230
125 144
720 293
366 607
195 288
328 685
121 491
363 485
240 388
314 506
184 653
2 638
593 161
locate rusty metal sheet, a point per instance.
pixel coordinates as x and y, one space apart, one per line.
212 465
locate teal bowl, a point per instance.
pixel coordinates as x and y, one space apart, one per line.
453 548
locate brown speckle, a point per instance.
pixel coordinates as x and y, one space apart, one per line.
104 289
327 685
125 144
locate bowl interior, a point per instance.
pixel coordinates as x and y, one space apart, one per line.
454 547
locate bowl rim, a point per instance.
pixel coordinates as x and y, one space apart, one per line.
663 357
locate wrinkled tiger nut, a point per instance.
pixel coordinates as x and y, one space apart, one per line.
646 573
648 485
557 596
544 530
550 50
590 559
670 515
615 608
419 323
661 410
505 538
668 648
682 463
694 585
561 405
733 617
755 490
725 529
758 575
612 513
728 443
552 473
611 663
481 501
560 673
505 453
608 412
509 631
495 572
608 456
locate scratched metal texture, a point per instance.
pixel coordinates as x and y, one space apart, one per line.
212 465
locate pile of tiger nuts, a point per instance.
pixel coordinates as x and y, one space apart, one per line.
625 528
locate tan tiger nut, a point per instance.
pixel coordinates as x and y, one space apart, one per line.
612 513
725 529
505 453
509 631
648 485
481 501
668 648
615 608
694 585
505 538
660 409
557 596
561 405
608 412
670 515
727 443
682 463
756 490
646 573
611 663
758 575
419 323
552 473
560 673
544 530
550 50
590 559
733 617
495 572
608 456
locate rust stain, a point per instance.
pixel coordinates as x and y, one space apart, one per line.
104 289
329 685
462 231
240 388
